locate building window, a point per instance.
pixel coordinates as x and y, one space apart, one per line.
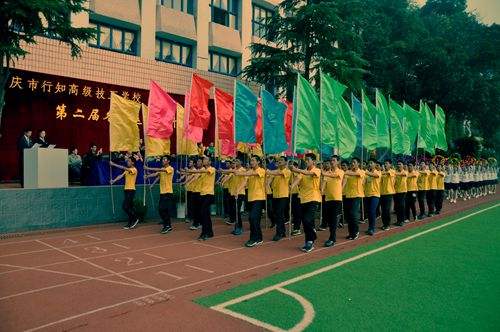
173 52
260 16
180 5
114 39
223 64
225 12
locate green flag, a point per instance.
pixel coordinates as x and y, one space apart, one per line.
413 124
400 141
307 120
426 139
440 129
330 92
384 139
370 136
346 127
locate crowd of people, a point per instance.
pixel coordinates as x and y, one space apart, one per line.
303 191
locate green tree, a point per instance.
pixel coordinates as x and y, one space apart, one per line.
21 21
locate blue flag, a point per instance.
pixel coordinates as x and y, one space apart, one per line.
273 124
245 114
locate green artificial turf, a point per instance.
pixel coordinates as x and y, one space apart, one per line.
444 280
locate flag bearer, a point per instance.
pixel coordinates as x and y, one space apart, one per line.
354 193
130 174
333 198
372 194
386 193
166 203
280 189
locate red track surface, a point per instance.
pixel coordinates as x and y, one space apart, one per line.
108 279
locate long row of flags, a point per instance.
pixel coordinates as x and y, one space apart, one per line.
325 123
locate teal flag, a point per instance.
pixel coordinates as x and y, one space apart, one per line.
384 137
370 113
441 142
426 137
330 93
307 118
413 124
245 113
273 124
399 140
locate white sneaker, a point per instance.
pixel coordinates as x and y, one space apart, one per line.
134 224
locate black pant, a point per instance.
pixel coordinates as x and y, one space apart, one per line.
323 220
399 206
332 211
439 200
296 212
385 204
206 221
352 208
270 207
128 205
226 202
235 210
280 205
254 217
371 206
431 196
195 208
165 208
308 212
287 210
421 195
190 205
411 198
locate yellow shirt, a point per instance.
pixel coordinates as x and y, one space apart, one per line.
130 176
354 185
400 185
166 180
372 185
280 184
195 184
207 181
333 186
440 180
422 182
387 183
191 186
237 183
432 181
257 186
309 190
411 181
292 180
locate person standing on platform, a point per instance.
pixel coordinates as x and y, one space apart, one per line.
166 203
372 194
333 179
400 188
130 174
281 191
411 195
431 192
386 194
440 188
24 142
354 193
310 198
206 187
42 139
295 201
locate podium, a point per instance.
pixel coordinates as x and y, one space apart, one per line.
45 168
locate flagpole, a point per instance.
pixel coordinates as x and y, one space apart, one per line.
145 154
362 146
320 150
265 156
237 213
294 137
110 169
390 129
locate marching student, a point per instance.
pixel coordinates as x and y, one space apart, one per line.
130 174
310 198
441 175
411 195
295 201
431 193
189 195
193 184
423 188
332 188
386 193
225 183
354 193
447 182
372 194
325 167
237 191
280 189
206 187
454 183
166 203
400 188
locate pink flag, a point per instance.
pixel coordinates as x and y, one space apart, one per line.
192 133
227 148
161 116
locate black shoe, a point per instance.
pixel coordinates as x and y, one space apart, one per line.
438 212
166 229
399 224
362 222
252 243
204 237
308 247
340 225
322 228
370 232
277 237
329 243
386 228
421 217
355 236
348 237
296 232
229 222
134 224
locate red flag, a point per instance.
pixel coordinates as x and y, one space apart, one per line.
192 133
161 115
224 111
199 115
258 125
288 121
227 148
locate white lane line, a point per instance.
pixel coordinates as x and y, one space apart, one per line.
299 278
169 275
199 268
93 237
153 255
211 246
120 246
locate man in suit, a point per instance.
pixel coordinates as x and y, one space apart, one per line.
24 142
42 139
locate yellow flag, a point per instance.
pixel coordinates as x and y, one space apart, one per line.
184 146
123 129
154 146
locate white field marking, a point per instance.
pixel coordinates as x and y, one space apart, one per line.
169 275
83 314
309 312
153 255
199 268
93 237
102 268
288 282
121 246
211 246
69 242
